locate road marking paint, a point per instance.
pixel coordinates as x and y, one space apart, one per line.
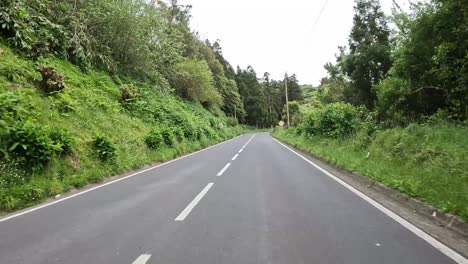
108 183
249 141
245 145
142 259
223 169
235 157
192 204
423 235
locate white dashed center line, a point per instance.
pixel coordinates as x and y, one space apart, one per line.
194 203
249 141
235 157
142 259
223 169
242 149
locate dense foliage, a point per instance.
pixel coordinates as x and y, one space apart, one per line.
332 120
96 126
146 40
417 70
394 106
265 99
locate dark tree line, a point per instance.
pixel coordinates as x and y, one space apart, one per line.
265 98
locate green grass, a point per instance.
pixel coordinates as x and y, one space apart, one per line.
90 105
428 162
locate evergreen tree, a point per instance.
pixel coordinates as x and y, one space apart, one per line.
369 59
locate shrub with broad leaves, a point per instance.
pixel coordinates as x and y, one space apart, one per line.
104 148
332 120
154 139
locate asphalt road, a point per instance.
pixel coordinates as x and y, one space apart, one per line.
268 206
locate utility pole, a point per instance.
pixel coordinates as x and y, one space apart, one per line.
286 92
235 112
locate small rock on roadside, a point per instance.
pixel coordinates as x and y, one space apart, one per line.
57 196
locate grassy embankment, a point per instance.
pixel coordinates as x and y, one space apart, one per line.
428 162
101 135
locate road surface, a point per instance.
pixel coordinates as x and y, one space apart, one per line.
248 200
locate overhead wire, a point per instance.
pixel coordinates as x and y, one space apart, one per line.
320 13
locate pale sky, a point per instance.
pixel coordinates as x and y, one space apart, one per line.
277 36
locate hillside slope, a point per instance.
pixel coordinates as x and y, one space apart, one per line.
95 127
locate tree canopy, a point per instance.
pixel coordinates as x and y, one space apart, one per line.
417 70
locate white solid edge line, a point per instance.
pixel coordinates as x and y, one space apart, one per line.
108 183
223 169
142 259
423 235
235 157
193 203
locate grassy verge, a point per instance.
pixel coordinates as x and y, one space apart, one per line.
426 162
60 177
89 107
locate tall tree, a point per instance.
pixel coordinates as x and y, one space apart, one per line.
368 60
294 89
224 81
272 98
252 96
431 62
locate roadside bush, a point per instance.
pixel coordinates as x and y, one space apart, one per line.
188 128
27 29
154 139
392 94
232 122
168 136
193 80
367 121
12 108
31 144
199 133
209 132
332 120
63 103
213 123
104 148
178 133
63 139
